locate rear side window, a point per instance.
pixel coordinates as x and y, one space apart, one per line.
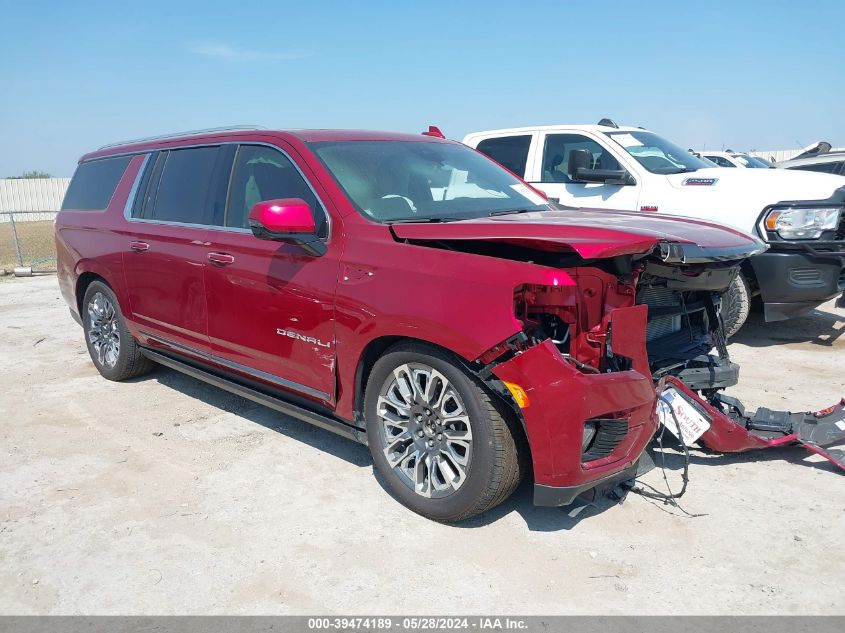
94 183
186 190
509 151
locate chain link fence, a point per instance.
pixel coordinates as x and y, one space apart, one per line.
26 241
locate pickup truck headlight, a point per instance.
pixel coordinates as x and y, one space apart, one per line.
796 223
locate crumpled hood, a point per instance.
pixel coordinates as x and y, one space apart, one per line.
595 234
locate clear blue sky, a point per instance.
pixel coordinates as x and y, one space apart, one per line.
746 75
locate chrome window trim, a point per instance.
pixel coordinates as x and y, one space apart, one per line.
255 373
127 209
133 192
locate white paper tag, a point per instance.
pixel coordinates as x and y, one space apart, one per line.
693 424
626 140
841 425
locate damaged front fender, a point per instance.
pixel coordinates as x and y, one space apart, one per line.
620 406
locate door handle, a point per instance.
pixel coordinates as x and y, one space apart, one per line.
221 259
139 247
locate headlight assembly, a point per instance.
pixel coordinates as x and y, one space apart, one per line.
797 223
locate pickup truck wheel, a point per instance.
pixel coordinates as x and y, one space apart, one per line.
443 447
113 350
736 305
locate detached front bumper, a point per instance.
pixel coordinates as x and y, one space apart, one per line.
560 400
793 281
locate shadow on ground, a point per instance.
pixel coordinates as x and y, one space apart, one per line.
819 328
521 502
322 440
538 519
795 455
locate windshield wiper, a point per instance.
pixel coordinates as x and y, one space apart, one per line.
683 170
419 220
509 211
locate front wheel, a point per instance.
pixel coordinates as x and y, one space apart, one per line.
736 305
444 448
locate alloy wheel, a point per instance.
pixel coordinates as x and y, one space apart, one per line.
427 437
103 333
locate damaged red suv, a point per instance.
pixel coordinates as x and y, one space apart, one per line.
404 291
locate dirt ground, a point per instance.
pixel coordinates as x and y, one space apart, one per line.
164 496
35 239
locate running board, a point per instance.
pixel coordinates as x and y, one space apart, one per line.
288 408
732 431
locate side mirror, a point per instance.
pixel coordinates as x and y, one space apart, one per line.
286 220
578 159
578 168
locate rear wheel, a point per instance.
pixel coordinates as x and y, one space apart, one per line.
736 305
113 350
443 446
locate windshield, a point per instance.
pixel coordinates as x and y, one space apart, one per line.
751 162
656 154
390 181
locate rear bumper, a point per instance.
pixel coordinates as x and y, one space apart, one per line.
793 282
561 399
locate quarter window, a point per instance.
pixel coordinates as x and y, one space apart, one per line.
94 183
263 173
509 151
557 150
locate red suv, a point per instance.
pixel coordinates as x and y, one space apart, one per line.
404 291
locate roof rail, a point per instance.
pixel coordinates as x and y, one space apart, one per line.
160 137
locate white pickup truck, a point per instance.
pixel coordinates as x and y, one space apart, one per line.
801 215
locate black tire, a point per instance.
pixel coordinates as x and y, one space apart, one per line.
496 464
129 362
736 305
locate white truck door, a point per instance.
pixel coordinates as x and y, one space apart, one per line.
549 173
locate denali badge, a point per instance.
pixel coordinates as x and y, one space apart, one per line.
299 337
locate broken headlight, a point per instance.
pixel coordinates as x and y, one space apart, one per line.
797 223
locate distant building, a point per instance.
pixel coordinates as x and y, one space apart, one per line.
779 155
32 194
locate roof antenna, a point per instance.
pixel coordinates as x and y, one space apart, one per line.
608 123
434 131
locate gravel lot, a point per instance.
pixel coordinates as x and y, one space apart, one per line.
167 496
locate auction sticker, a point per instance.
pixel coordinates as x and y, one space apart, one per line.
692 423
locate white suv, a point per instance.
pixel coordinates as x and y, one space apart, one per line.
799 214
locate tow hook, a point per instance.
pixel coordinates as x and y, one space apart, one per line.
722 424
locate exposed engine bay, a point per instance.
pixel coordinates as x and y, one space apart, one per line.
688 354
684 328
684 339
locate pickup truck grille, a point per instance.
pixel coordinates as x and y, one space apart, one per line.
840 232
